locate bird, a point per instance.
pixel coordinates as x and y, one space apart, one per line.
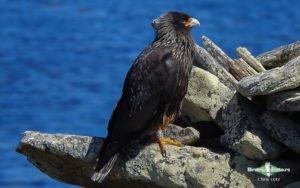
153 90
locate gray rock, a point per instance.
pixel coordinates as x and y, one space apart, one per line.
237 69
279 56
204 60
284 101
216 52
249 69
207 99
69 159
66 158
187 135
240 121
205 96
271 81
282 129
295 184
252 61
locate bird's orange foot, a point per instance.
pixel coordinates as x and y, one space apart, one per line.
162 141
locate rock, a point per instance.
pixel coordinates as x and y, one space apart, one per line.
284 101
240 121
248 68
204 60
66 158
282 129
205 96
271 81
252 61
187 135
279 56
295 184
237 69
216 52
69 159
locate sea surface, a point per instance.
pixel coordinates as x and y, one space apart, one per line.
62 63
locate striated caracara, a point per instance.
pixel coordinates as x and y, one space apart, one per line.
153 89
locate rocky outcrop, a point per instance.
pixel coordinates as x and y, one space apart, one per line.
284 101
246 116
273 80
279 56
205 96
205 61
240 121
70 158
282 129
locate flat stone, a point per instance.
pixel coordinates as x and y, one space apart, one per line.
216 52
237 69
279 56
69 159
66 158
205 96
248 57
187 135
205 61
249 69
243 134
282 129
284 101
271 81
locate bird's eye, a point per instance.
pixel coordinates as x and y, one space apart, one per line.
185 23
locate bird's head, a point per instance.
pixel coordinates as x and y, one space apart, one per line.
176 21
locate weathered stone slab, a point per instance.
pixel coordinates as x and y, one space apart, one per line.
240 121
284 101
248 57
204 60
237 69
279 56
216 52
205 96
187 135
282 129
271 81
69 159
247 67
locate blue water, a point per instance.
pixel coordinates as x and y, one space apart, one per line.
62 63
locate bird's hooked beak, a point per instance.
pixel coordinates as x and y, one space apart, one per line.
191 22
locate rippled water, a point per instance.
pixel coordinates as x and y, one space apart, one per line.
62 63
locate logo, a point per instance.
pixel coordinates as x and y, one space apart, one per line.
268 169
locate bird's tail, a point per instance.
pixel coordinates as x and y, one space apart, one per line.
98 176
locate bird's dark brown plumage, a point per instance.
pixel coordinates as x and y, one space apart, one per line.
153 89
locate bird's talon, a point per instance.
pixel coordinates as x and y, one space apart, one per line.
162 141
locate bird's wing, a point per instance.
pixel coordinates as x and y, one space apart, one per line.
151 80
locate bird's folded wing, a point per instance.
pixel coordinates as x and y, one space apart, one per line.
151 80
